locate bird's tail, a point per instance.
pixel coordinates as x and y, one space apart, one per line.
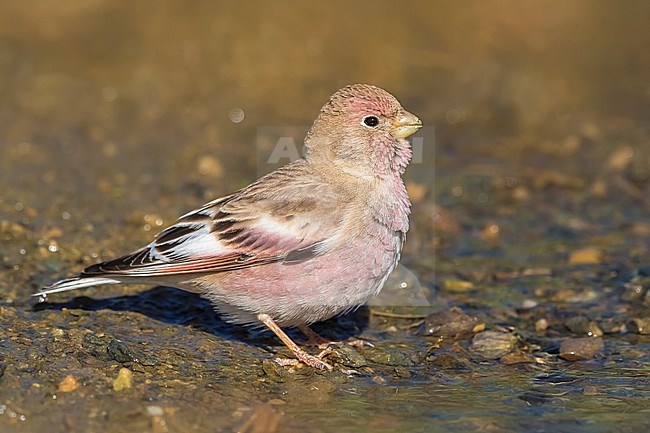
74 283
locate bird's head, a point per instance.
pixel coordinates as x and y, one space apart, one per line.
362 130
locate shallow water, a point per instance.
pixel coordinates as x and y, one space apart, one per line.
535 224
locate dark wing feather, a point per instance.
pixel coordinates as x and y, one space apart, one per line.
287 216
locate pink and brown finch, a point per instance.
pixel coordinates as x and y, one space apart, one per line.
310 240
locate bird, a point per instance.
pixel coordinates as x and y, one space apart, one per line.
313 239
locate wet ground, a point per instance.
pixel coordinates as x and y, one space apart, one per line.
522 302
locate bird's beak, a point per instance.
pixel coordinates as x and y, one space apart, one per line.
406 125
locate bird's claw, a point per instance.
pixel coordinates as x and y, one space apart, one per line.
307 359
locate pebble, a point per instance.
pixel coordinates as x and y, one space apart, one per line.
457 285
209 166
590 390
577 349
582 326
585 256
446 361
577 324
632 292
594 330
124 380
403 373
529 304
120 352
639 325
449 323
275 371
348 357
11 228
573 296
541 325
493 344
387 357
379 380
155 411
68 384
517 357
613 326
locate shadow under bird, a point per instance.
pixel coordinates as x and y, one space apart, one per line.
304 243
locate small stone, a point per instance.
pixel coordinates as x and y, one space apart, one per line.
593 330
631 352
521 193
155 411
387 357
209 166
586 256
573 296
490 232
68 384
457 285
492 344
57 332
449 323
124 380
632 292
275 371
517 357
529 304
445 361
402 372
612 326
348 357
577 324
478 328
11 228
620 158
123 353
639 325
379 380
577 349
537 272
541 325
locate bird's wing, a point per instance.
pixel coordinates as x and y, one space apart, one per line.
287 216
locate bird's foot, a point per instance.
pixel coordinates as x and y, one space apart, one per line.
307 359
301 355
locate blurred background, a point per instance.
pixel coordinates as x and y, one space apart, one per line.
116 117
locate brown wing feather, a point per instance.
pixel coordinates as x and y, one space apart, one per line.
277 218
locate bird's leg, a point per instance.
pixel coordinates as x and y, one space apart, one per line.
313 338
300 354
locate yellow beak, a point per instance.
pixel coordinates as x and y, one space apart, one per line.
406 125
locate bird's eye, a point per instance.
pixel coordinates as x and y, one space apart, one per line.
371 121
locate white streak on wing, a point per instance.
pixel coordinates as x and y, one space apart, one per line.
200 243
